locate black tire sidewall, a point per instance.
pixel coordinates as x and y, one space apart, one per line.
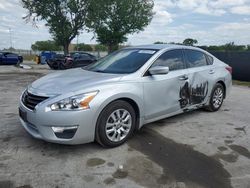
102 119
211 105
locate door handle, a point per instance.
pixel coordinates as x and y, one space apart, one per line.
211 72
183 77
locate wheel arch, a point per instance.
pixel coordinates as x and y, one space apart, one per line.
135 107
134 101
224 86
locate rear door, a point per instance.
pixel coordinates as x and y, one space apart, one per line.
197 88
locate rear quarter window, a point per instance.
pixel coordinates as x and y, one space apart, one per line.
210 60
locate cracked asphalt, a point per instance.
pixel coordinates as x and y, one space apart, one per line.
197 149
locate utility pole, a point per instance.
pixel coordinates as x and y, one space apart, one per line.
77 47
10 39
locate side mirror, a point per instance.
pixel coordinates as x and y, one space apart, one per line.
159 70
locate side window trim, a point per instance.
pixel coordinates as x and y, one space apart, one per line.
184 58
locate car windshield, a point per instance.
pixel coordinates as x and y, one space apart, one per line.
122 62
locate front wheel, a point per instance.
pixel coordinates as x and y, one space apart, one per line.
115 124
216 98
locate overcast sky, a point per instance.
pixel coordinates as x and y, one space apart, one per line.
211 22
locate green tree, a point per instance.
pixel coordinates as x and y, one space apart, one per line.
159 42
113 20
190 42
232 47
100 47
83 47
64 18
45 46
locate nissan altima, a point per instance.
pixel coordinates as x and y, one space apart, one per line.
110 99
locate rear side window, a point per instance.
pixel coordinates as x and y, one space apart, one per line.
195 58
172 59
84 57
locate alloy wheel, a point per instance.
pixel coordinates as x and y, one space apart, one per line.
218 97
118 125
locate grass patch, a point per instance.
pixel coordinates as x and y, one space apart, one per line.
242 83
29 57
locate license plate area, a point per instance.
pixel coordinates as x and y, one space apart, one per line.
23 115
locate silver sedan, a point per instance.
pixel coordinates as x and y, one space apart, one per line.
110 99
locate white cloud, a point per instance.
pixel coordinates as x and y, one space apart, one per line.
5 5
234 26
227 3
243 10
162 16
200 6
221 34
188 4
215 8
204 9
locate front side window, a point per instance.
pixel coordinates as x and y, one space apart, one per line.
122 62
195 58
10 55
172 59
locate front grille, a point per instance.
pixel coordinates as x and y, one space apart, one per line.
30 101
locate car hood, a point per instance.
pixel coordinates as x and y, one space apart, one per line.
70 81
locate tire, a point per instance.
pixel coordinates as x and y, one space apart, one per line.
61 66
68 64
115 124
217 97
53 65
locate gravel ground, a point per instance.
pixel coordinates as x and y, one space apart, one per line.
196 149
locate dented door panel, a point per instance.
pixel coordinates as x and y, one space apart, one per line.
196 90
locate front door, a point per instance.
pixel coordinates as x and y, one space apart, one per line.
161 92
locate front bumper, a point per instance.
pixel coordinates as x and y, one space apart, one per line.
39 124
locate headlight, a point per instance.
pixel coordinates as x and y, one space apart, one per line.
78 102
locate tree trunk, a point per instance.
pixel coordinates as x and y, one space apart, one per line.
66 48
112 48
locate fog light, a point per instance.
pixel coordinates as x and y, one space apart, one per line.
65 132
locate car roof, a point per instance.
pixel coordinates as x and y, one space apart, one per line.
163 46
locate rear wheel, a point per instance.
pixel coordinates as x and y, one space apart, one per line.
115 124
217 97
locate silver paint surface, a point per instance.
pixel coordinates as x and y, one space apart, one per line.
156 96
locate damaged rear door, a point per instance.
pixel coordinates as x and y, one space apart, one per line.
196 90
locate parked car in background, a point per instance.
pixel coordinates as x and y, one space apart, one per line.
73 60
8 58
57 62
45 56
107 100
